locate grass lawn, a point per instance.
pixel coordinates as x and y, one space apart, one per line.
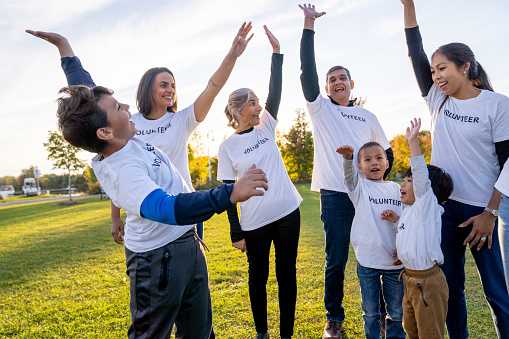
62 276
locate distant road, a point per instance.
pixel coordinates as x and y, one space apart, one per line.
61 197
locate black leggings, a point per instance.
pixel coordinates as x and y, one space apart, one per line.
285 235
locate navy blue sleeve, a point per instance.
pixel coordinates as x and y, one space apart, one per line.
309 75
75 73
186 208
419 59
275 85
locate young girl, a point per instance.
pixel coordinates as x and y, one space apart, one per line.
468 116
276 216
158 121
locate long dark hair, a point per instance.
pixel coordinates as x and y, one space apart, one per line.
145 96
460 54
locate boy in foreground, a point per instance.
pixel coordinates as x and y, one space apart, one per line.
424 189
373 239
165 262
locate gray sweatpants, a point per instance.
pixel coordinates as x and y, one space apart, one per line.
170 285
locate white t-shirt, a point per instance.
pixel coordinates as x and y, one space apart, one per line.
502 184
170 133
419 227
464 134
373 239
238 152
128 176
334 126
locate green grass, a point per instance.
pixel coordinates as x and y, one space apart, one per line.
62 276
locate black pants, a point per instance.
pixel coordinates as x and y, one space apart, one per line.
285 235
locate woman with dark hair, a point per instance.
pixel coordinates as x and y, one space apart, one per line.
276 217
470 141
156 100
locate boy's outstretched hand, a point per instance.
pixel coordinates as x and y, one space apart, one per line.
56 39
390 215
310 12
246 186
413 131
346 151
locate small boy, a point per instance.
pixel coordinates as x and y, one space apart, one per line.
374 240
418 238
166 264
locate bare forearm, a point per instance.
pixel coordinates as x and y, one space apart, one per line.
309 23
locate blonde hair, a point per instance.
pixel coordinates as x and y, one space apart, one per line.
236 100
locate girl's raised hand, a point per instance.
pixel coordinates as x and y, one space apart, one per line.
240 42
310 12
272 39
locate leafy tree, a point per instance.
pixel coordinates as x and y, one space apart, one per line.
91 180
64 155
402 151
297 148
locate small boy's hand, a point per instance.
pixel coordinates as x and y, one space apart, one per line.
247 185
390 215
346 151
413 130
397 261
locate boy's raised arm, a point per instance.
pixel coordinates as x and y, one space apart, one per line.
74 71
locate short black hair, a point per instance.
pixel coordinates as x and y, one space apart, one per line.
441 182
369 144
335 68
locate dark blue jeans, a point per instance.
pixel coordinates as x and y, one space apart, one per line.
489 266
337 214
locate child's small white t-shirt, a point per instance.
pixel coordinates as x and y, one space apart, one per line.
373 239
128 176
419 227
237 154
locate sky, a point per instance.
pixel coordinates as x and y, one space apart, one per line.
117 41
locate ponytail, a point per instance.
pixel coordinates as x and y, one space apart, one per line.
236 100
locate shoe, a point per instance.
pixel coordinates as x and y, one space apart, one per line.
332 330
262 336
382 327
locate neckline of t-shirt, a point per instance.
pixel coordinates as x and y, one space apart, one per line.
246 131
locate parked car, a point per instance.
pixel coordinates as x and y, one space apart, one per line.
7 191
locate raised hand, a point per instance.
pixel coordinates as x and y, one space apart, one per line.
248 184
346 151
56 39
240 42
310 12
272 39
413 131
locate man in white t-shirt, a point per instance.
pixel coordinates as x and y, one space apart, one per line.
336 121
140 179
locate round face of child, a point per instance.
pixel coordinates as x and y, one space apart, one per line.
373 162
407 191
164 90
449 78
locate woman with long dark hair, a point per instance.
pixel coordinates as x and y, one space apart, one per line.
470 141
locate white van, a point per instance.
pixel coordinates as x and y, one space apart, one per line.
7 191
30 187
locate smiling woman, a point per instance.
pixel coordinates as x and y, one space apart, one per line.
470 125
